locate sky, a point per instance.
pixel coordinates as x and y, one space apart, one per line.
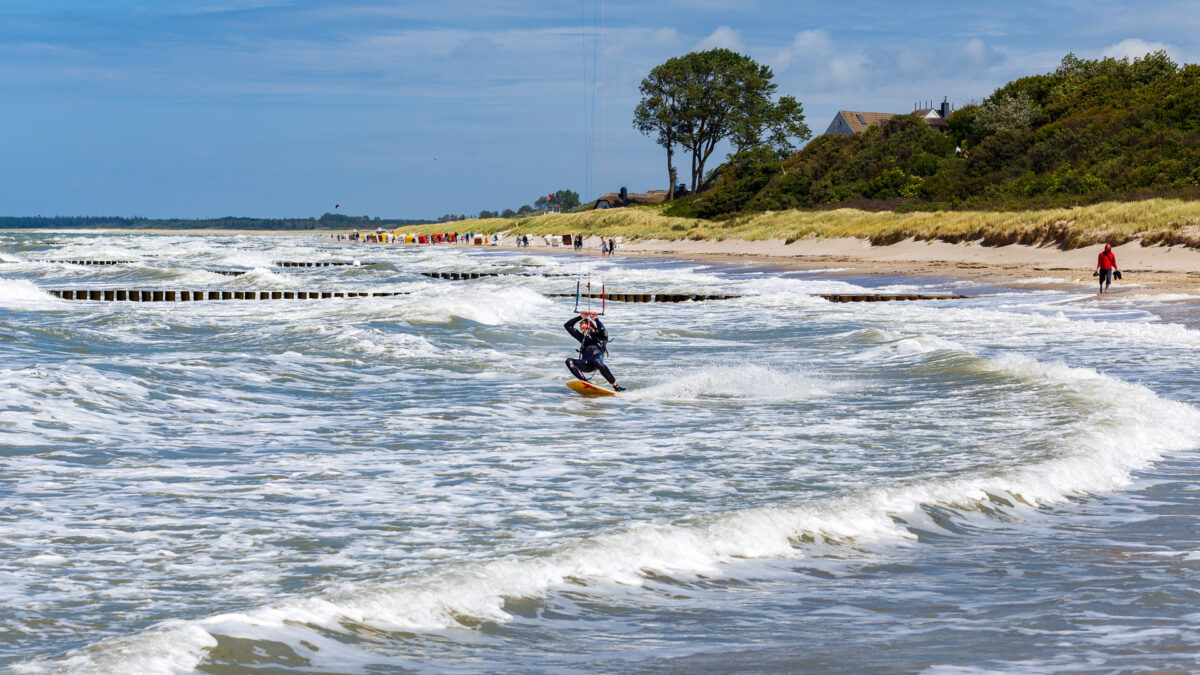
414 109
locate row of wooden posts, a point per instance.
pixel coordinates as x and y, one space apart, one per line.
306 295
129 295
286 263
480 275
133 295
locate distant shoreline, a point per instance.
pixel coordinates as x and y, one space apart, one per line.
145 230
1163 270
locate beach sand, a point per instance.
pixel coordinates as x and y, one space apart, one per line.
1157 270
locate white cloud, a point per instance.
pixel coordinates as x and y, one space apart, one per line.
848 70
1133 48
723 37
975 49
809 46
815 58
665 37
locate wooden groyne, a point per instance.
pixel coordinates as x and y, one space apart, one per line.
322 263
693 297
157 295
134 295
886 297
645 297
479 275
90 262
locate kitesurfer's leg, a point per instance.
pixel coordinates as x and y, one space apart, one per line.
604 371
573 366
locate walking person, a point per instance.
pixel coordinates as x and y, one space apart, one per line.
1106 267
612 248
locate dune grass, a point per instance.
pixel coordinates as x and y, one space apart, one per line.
1153 221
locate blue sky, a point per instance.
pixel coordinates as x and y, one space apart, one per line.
282 108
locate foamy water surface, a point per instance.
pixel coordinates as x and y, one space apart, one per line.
1004 483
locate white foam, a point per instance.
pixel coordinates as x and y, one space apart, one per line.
1153 297
1050 281
22 291
1132 428
488 307
178 649
908 346
740 382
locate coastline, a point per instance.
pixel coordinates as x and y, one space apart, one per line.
1148 270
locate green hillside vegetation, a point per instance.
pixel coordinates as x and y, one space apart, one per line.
1091 131
1152 221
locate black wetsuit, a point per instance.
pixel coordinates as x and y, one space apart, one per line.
591 350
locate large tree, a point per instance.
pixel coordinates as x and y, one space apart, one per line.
658 112
702 98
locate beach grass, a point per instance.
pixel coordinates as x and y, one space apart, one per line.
1153 221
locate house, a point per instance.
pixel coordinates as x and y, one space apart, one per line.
849 122
613 200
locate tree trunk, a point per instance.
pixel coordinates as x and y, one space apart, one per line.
670 174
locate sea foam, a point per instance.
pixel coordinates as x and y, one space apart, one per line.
1133 427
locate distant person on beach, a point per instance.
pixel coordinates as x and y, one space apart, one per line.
593 341
525 240
612 248
1106 266
603 248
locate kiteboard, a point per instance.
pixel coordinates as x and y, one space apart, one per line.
588 389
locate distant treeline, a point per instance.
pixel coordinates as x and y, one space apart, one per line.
325 222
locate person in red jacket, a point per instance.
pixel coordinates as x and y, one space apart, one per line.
1105 266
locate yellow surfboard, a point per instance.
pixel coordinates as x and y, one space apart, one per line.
588 389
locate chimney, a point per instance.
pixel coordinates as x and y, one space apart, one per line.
945 108
624 195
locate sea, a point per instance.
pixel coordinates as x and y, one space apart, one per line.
1007 482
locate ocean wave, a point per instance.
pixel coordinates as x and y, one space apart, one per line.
20 290
488 307
1129 428
741 382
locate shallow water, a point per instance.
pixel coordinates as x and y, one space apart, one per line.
351 485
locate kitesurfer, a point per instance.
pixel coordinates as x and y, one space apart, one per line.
593 338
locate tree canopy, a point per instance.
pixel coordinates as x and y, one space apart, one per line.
697 100
1089 131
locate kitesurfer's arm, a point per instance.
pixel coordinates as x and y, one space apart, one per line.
601 331
572 330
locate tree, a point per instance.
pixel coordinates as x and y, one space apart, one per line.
564 199
488 214
658 112
525 208
508 213
1004 113
702 98
772 126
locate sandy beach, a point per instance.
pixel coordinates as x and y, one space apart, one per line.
1154 270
